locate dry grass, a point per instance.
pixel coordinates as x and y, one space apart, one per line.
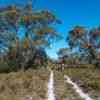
23 85
33 83
64 91
87 78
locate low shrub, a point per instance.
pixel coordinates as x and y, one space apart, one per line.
8 66
4 67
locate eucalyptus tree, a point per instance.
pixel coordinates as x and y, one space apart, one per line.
8 26
64 54
39 31
87 42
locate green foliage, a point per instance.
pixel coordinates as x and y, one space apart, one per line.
13 66
8 66
4 67
40 30
64 51
87 41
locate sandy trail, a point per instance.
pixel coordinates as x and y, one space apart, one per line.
51 95
77 89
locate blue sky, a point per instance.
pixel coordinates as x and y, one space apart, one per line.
71 12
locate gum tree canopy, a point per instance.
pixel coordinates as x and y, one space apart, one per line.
87 42
39 31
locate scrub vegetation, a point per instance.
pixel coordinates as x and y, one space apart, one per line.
25 66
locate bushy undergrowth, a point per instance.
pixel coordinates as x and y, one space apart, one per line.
4 67
8 66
